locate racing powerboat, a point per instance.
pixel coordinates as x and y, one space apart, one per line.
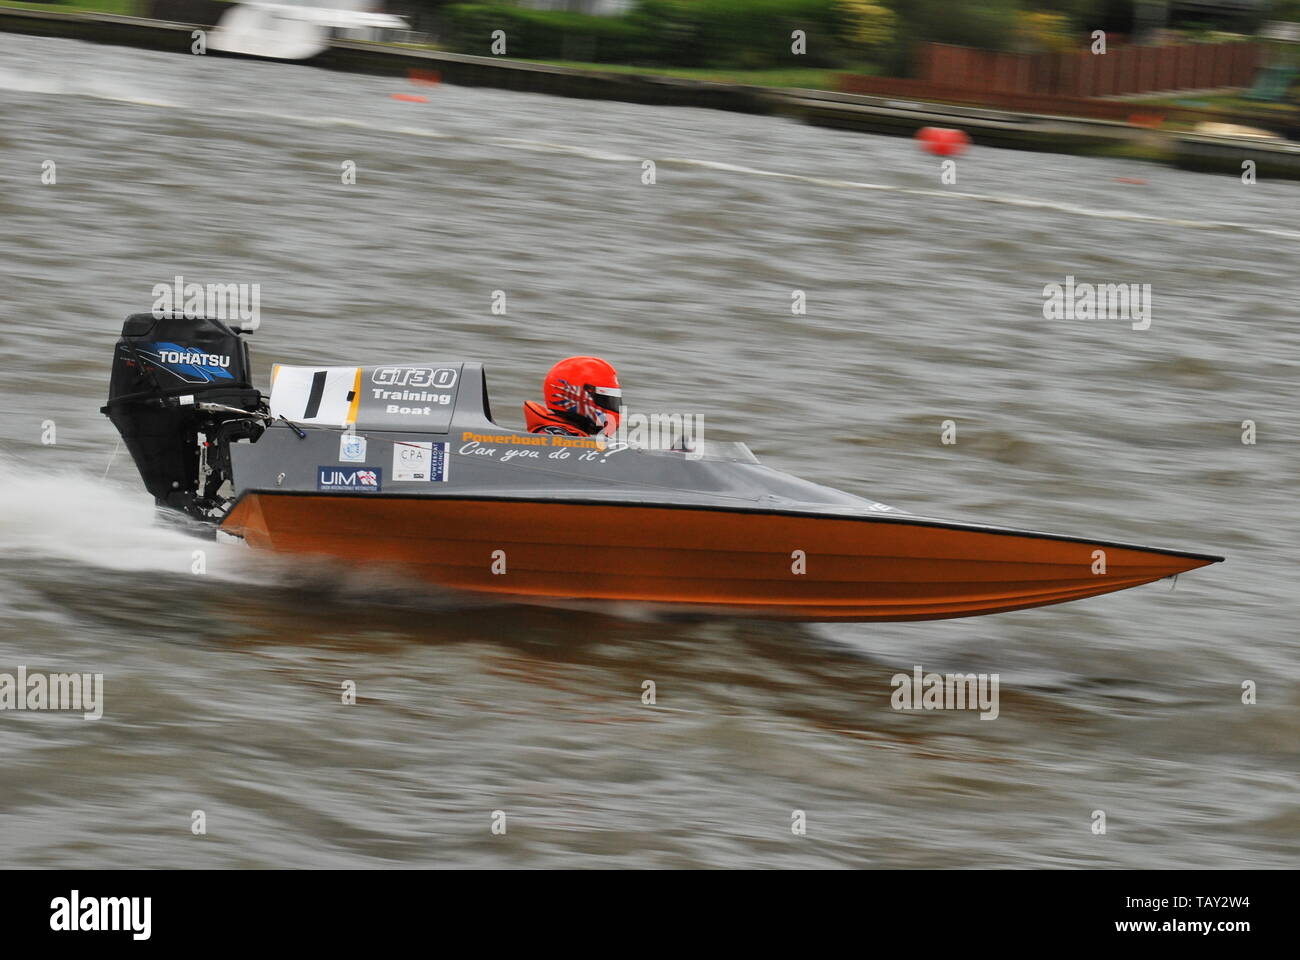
402 465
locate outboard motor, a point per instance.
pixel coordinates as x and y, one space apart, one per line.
180 392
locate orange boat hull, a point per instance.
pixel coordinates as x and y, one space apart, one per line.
742 563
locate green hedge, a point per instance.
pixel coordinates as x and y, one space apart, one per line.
743 33
542 34
750 34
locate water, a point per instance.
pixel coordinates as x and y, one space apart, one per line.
222 690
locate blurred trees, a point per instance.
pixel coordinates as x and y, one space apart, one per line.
869 26
757 33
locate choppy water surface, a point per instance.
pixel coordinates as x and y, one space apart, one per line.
924 305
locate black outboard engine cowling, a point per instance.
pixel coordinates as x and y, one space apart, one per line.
171 375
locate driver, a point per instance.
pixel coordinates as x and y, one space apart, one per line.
582 397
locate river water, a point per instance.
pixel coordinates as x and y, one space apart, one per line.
222 690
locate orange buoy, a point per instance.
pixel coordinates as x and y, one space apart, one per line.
410 97
425 78
942 141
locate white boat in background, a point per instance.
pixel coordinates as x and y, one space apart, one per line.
285 31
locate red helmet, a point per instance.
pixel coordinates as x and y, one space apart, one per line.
585 391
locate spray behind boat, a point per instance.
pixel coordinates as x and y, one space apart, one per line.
179 394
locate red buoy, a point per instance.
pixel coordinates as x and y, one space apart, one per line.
427 78
942 141
410 97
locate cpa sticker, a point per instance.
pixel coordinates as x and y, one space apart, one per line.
420 460
412 460
352 449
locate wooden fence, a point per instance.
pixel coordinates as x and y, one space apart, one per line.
1121 70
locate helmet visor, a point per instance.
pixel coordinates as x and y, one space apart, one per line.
608 398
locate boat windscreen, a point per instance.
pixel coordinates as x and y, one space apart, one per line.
732 450
729 451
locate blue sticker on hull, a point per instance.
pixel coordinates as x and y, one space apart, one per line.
438 470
